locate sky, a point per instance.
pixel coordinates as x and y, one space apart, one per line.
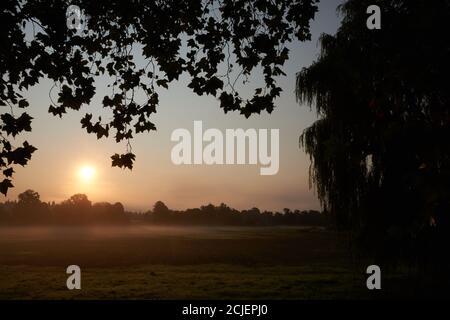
64 148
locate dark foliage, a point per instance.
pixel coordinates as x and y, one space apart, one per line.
380 150
78 210
224 215
213 42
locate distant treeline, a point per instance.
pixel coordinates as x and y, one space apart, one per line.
79 210
224 215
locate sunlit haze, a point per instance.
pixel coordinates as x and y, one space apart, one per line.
87 174
70 161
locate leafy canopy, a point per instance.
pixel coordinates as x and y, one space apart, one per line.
254 33
380 151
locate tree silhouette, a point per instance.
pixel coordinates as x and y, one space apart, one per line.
160 209
214 42
78 200
29 208
29 197
380 152
78 210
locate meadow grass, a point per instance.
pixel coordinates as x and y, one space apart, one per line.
143 262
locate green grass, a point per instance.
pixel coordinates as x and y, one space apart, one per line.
206 281
178 263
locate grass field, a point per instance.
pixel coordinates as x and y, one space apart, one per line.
144 262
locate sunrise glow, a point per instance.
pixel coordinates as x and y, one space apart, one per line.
87 174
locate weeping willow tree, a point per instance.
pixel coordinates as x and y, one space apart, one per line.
380 149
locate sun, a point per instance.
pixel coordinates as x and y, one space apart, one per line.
87 173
